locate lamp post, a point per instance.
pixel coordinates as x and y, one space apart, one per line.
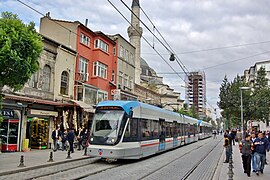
242 113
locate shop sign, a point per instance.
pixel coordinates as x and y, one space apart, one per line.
8 113
43 112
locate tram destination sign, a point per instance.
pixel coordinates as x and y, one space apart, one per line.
109 108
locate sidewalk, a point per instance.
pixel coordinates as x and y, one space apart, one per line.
35 158
222 168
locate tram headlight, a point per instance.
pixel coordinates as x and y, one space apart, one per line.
111 140
91 139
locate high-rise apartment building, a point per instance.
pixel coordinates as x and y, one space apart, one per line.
196 92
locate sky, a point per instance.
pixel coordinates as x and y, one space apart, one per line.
219 37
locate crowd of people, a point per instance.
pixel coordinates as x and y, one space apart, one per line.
253 148
66 139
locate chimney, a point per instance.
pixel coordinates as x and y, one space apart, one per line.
86 22
48 15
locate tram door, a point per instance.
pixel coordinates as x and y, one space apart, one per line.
175 134
161 134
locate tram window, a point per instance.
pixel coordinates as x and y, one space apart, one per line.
134 128
127 133
178 129
154 128
168 130
145 128
131 131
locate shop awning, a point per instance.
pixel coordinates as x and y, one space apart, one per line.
86 107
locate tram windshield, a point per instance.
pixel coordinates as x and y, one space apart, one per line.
106 123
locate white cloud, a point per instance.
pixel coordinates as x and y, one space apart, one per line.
186 25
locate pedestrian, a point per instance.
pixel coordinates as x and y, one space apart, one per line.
253 157
79 136
228 147
70 138
214 134
64 140
55 136
233 134
261 146
246 146
239 136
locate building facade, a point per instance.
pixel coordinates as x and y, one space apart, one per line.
32 113
125 69
251 74
196 92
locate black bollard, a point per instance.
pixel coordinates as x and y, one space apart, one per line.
68 156
85 152
230 172
51 157
21 161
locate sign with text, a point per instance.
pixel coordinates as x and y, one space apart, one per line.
7 113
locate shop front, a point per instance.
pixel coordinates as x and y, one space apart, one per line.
9 130
40 124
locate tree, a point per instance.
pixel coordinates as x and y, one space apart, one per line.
230 100
20 48
261 97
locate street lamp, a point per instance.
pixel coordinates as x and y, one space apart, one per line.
242 114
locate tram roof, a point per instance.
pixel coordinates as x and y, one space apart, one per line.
129 105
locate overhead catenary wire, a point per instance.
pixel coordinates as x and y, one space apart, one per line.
55 21
216 48
144 38
169 49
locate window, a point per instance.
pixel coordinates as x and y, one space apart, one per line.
90 96
102 45
145 128
83 65
100 70
85 39
131 131
114 51
131 58
130 82
64 83
120 77
154 128
126 80
122 51
102 96
127 55
46 79
113 76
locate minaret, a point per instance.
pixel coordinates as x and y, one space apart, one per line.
135 34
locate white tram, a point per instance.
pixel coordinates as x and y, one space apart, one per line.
133 130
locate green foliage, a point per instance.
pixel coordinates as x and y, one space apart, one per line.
260 98
230 100
189 112
255 103
20 47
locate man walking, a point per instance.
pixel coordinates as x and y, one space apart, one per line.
246 147
70 138
261 146
55 137
253 157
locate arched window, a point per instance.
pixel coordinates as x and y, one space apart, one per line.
46 78
64 83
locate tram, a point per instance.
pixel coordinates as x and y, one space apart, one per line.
133 130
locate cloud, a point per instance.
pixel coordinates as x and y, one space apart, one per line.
186 25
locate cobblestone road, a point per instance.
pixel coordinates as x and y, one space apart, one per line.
170 165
